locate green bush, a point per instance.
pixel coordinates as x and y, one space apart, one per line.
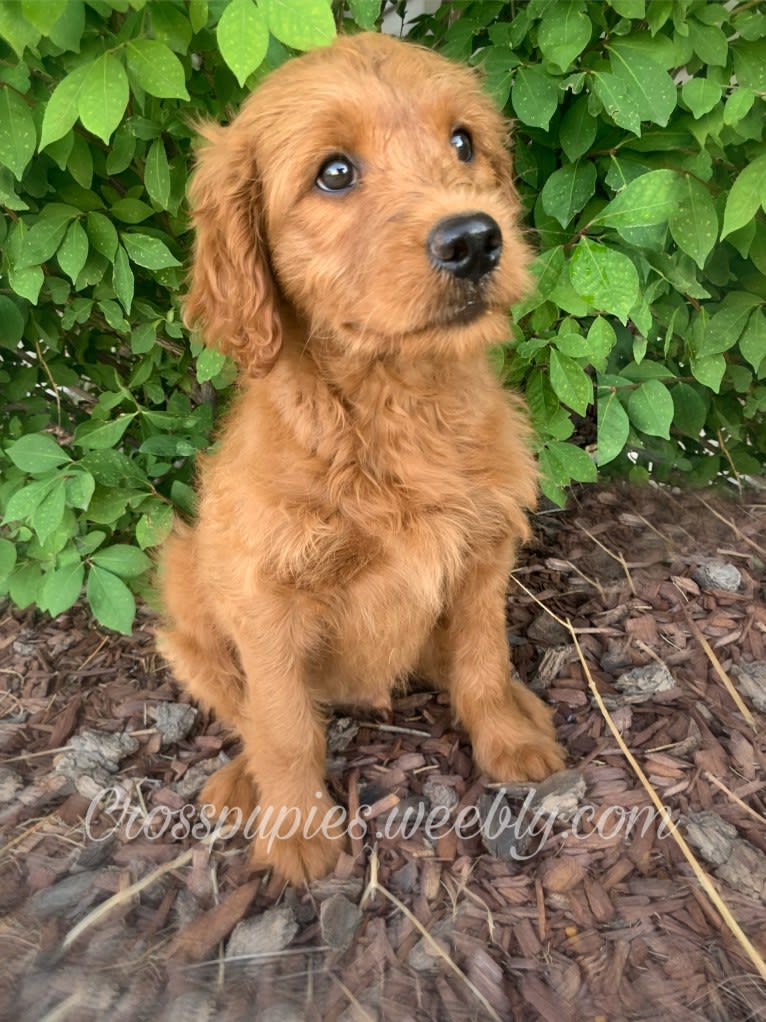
640 157
641 162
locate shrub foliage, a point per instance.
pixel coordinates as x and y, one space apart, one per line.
641 164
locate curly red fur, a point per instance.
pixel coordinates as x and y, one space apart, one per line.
359 519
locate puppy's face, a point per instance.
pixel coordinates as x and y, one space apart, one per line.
383 195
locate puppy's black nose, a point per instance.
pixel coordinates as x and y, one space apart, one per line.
468 246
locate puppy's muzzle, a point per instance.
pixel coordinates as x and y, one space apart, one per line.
467 246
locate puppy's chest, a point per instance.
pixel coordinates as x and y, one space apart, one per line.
422 525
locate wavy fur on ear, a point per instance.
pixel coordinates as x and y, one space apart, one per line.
231 297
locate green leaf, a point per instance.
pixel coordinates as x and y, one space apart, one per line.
102 234
11 322
198 13
18 136
365 13
43 238
73 250
79 488
131 211
95 436
36 453
563 33
578 130
601 340
171 26
613 425
155 526
607 279
650 407
67 31
156 69
694 223
61 109
103 96
24 501
62 587
111 601
25 583
752 343
243 38
80 162
618 100
747 193
629 8
535 97
648 199
574 461
647 80
143 338
709 43
709 370
750 64
26 282
689 410
570 382
150 252
700 95
567 190
43 14
16 29
123 560
123 280
157 174
300 24
48 514
724 329
121 151
209 364
738 105
7 559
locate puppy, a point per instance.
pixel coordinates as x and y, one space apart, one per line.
356 252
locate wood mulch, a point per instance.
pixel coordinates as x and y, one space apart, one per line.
569 913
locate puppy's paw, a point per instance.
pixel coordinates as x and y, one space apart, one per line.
301 847
230 789
532 758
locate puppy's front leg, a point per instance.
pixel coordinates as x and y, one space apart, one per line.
284 758
510 728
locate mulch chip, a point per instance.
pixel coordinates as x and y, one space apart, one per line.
566 901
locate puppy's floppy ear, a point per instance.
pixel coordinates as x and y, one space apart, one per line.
232 296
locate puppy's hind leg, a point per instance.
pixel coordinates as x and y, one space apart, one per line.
192 643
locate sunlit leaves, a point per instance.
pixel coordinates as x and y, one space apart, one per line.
606 278
156 69
18 135
567 190
61 109
694 222
747 195
103 96
243 38
301 24
534 96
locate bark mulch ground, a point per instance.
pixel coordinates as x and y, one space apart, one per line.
581 907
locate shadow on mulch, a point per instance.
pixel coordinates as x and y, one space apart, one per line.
585 910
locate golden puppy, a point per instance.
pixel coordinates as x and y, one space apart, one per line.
356 252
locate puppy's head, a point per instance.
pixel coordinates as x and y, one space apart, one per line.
368 186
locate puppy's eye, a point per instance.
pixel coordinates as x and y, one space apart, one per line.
460 140
337 174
